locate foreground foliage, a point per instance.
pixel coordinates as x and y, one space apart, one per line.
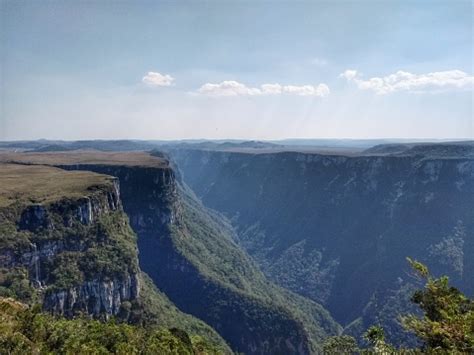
448 321
446 327
25 330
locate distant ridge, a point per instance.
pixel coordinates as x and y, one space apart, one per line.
442 150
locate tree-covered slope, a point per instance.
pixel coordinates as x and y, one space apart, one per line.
26 330
337 229
221 285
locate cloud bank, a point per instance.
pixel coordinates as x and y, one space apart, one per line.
405 81
157 79
234 88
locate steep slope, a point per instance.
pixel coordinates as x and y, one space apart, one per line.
26 330
189 253
65 242
234 297
337 229
67 235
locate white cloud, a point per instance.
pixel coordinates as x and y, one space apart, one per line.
157 79
405 81
307 90
271 89
349 74
228 88
234 88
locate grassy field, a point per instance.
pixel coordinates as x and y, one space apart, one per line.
85 157
42 184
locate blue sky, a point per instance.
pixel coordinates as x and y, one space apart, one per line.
236 69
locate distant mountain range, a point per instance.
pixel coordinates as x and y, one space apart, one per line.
44 145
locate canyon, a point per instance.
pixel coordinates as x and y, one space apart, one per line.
189 253
337 228
272 250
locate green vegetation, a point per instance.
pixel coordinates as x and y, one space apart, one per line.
15 283
375 336
385 310
204 237
114 251
27 330
70 252
11 238
105 246
446 327
152 313
202 270
153 308
337 229
448 321
234 285
342 344
205 240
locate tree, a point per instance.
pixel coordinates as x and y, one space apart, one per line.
343 344
375 335
27 330
448 321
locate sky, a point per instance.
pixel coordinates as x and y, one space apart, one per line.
236 69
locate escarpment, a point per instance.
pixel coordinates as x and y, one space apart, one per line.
191 257
66 243
75 254
189 253
337 229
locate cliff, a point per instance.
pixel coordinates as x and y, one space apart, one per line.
191 257
62 243
66 243
189 253
337 229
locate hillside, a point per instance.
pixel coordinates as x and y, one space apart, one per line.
26 330
189 253
66 243
337 229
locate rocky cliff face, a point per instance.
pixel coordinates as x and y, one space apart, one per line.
94 297
66 243
190 257
57 245
149 194
337 229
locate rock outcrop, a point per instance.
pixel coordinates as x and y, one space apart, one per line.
96 297
59 243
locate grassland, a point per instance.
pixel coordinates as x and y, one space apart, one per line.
42 184
85 157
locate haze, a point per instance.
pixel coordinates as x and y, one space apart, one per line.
251 70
